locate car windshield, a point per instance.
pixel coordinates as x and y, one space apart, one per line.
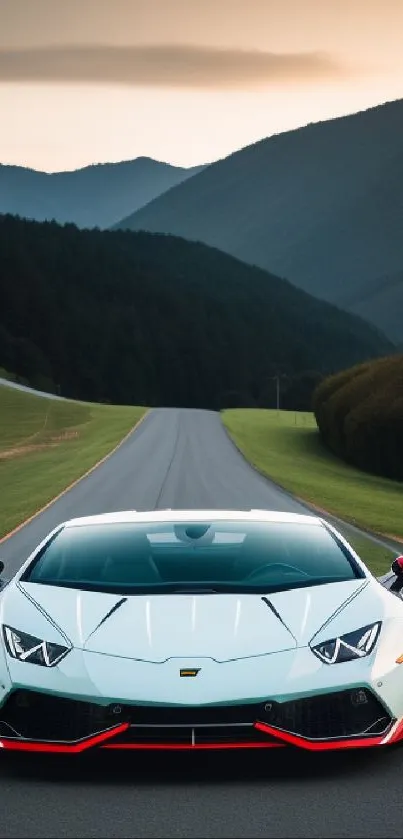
198 557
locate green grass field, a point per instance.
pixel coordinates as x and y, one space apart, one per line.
45 445
287 448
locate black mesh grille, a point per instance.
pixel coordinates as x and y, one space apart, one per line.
39 716
343 714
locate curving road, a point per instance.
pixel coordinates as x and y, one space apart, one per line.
184 459
175 458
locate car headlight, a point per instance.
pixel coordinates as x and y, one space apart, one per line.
349 647
26 647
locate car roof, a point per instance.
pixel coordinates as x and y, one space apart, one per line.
169 515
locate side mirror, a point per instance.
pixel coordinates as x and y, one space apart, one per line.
397 570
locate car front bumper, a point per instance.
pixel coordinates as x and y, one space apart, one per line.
34 721
287 699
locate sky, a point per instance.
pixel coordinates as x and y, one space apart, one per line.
184 81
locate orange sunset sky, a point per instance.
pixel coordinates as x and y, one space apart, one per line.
184 81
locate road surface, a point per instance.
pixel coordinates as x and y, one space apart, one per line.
184 459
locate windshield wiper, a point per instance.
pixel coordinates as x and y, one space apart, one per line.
123 590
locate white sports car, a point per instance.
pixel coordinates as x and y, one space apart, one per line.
199 630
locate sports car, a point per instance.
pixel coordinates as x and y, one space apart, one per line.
199 630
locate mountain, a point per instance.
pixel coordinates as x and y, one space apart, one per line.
156 320
96 196
321 205
383 296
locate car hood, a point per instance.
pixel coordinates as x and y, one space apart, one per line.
158 627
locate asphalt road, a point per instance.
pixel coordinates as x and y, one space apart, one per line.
184 459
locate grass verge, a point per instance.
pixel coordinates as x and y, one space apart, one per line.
45 445
286 446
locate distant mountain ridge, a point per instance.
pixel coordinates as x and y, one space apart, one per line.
321 205
94 196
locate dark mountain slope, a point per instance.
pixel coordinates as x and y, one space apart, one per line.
322 205
157 320
96 196
385 297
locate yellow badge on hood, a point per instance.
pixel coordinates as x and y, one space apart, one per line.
189 671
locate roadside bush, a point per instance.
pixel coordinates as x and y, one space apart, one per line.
323 394
359 413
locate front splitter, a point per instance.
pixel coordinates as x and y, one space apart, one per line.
281 738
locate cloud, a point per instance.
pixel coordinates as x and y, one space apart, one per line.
163 66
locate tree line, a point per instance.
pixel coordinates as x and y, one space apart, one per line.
155 320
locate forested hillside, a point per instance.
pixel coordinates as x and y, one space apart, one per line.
156 320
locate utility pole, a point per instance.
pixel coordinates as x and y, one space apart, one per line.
276 379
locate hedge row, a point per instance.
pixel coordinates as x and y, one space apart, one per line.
359 413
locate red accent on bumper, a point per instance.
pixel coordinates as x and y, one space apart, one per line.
62 748
395 734
283 738
321 745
